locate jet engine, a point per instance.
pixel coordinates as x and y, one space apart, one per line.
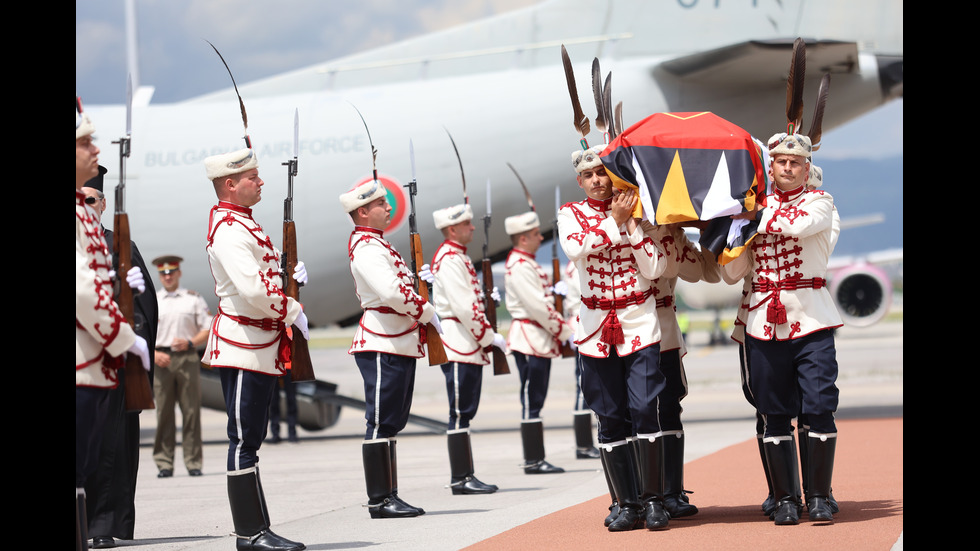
862 293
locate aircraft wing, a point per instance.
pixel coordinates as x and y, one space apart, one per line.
751 63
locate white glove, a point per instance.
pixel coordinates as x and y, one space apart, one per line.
299 273
303 325
134 277
571 344
560 288
425 274
435 323
495 294
500 342
139 348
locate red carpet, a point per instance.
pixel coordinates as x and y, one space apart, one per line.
729 487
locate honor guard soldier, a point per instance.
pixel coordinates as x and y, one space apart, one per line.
789 322
184 324
686 261
618 336
536 333
248 341
386 344
102 335
111 490
466 337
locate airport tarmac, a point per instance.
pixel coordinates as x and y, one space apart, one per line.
315 488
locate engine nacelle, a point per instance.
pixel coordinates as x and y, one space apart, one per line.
862 293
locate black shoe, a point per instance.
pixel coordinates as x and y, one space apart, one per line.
541 467
393 507
275 439
786 513
103 542
613 513
267 540
819 509
587 453
165 473
630 518
294 439
471 485
679 506
655 514
195 472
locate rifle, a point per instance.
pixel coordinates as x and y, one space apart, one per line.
139 395
500 366
566 349
433 340
301 366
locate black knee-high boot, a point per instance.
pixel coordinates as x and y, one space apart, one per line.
781 459
251 516
381 486
675 496
584 447
532 439
821 449
463 481
81 521
621 469
650 455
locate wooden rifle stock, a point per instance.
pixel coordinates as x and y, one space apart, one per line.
139 395
500 366
301 366
433 340
566 349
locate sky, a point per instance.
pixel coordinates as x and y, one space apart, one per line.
274 36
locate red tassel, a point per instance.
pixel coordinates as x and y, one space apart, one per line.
776 313
612 330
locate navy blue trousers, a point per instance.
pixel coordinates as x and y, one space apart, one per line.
389 381
624 392
674 391
464 382
535 372
795 378
247 395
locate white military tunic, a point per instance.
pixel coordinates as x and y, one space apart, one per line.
788 266
394 313
616 273
537 328
102 334
253 311
458 298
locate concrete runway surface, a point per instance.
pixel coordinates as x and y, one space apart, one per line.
315 488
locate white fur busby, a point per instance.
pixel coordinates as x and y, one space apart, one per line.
816 176
226 164
584 159
790 144
520 223
451 216
83 124
362 195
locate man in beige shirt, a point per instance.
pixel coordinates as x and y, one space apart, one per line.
182 328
